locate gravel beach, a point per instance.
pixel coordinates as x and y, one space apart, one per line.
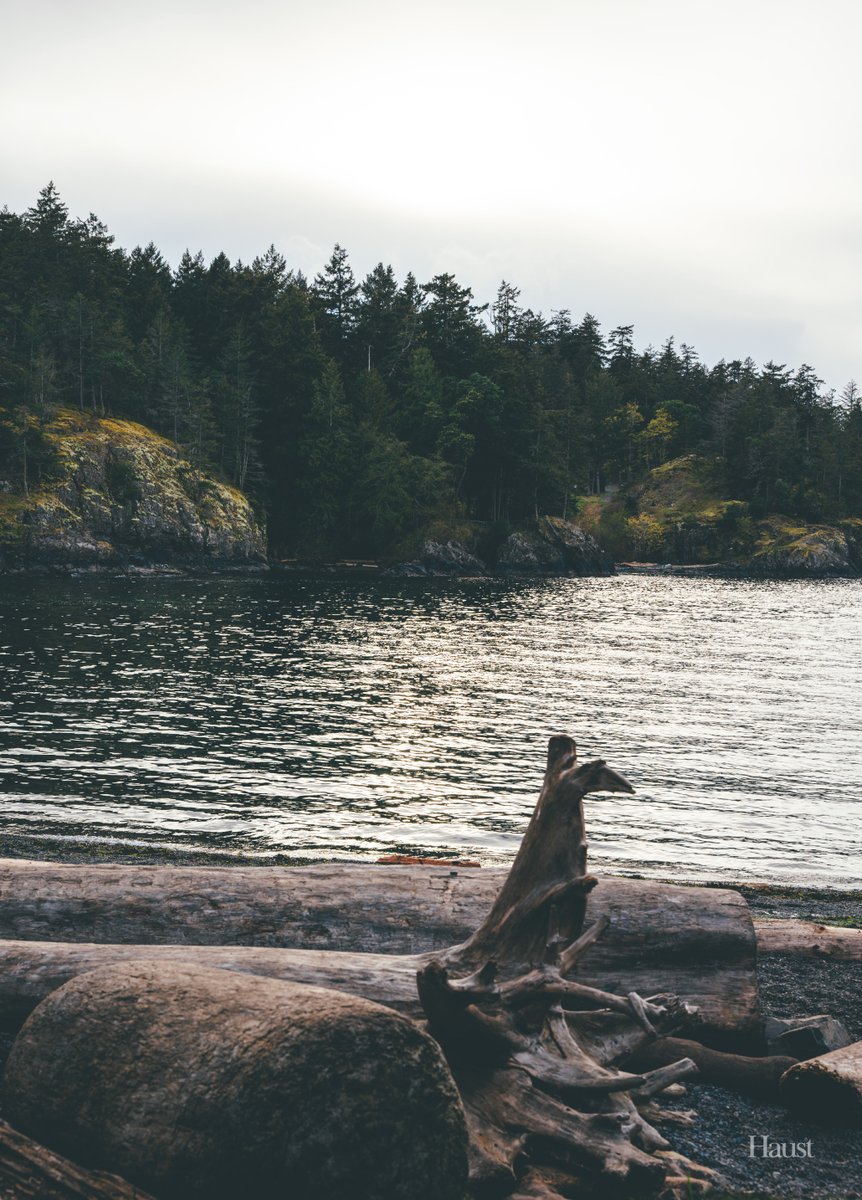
790 987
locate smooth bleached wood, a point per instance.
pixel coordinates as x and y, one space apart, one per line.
808 939
696 942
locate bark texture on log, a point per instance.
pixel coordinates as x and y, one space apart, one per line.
828 1088
204 1085
30 971
808 939
696 942
30 1171
360 908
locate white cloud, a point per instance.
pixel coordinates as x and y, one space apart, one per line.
686 165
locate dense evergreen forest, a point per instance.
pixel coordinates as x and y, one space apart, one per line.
358 414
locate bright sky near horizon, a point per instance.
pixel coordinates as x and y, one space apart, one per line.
689 167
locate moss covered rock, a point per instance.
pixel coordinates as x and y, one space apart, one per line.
121 495
680 514
788 548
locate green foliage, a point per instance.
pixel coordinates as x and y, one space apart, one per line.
396 491
613 532
646 535
359 414
28 456
658 437
122 481
419 417
334 293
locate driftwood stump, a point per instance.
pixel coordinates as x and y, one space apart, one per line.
547 1111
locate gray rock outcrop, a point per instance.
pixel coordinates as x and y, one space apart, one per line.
553 547
441 559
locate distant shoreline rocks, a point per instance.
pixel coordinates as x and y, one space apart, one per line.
550 546
553 547
119 499
440 560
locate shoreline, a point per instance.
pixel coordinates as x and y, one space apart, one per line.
275 568
813 903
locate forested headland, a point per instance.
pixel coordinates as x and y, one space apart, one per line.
361 415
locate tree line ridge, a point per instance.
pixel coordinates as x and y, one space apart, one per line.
363 415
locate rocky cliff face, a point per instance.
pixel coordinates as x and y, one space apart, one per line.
553 547
120 495
441 559
787 548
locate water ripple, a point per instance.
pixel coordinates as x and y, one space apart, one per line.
356 719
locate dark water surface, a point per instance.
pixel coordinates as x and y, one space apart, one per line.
348 719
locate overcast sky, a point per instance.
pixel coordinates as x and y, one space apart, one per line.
692 167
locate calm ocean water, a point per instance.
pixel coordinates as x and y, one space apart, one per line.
349 719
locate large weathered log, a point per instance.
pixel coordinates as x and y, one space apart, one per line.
30 971
828 1088
695 942
204 1085
367 908
30 1171
808 939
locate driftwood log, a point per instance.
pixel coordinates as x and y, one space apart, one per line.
808 939
758 1077
696 942
714 971
206 1085
532 1049
30 1171
828 1088
330 906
